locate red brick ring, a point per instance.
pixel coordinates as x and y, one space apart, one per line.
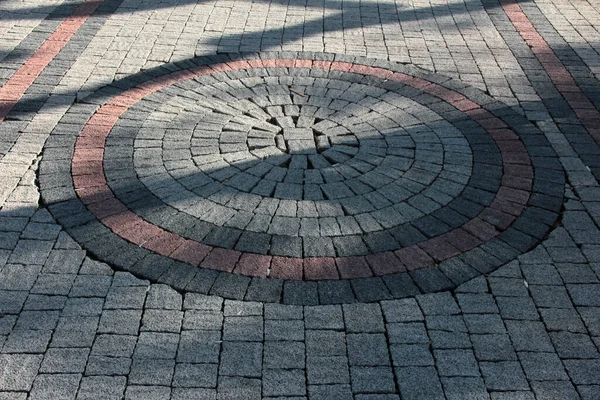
92 189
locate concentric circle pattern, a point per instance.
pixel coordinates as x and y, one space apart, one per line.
303 169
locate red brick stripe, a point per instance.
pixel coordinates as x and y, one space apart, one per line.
19 82
584 109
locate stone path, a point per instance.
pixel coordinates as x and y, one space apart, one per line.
235 200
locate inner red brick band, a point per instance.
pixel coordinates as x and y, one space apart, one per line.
91 187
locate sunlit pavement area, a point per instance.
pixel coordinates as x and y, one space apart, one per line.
300 199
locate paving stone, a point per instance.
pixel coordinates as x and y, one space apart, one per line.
573 345
337 392
285 383
285 355
108 387
549 390
372 380
134 392
195 375
64 361
123 322
403 310
438 304
151 371
418 383
241 359
542 366
162 321
243 328
367 350
457 388
363 318
496 347
456 363
503 376
199 347
55 386
18 371
239 388
583 372
529 336
325 343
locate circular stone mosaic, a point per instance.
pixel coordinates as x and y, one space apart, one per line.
374 181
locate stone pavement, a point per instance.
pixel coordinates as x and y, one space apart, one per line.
300 200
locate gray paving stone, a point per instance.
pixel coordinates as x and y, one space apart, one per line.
18 371
197 301
75 332
134 392
164 297
285 355
243 328
151 371
372 380
195 375
529 336
367 350
554 390
403 310
334 392
193 393
419 383
457 388
456 363
108 366
242 359
156 345
493 347
27 341
325 343
55 386
285 383
573 345
323 317
58 360
114 345
199 347
284 330
162 321
107 387
123 322
503 376
542 367
438 304
583 372
283 312
363 318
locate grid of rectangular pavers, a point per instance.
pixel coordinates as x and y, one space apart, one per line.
71 326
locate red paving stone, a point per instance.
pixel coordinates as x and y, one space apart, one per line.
253 265
221 259
353 267
317 268
286 268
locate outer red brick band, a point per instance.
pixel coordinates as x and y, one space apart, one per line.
91 187
20 81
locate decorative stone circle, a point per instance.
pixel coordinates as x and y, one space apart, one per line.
358 181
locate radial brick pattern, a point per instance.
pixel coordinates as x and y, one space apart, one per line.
295 169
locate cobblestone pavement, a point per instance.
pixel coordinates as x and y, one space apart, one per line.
301 200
